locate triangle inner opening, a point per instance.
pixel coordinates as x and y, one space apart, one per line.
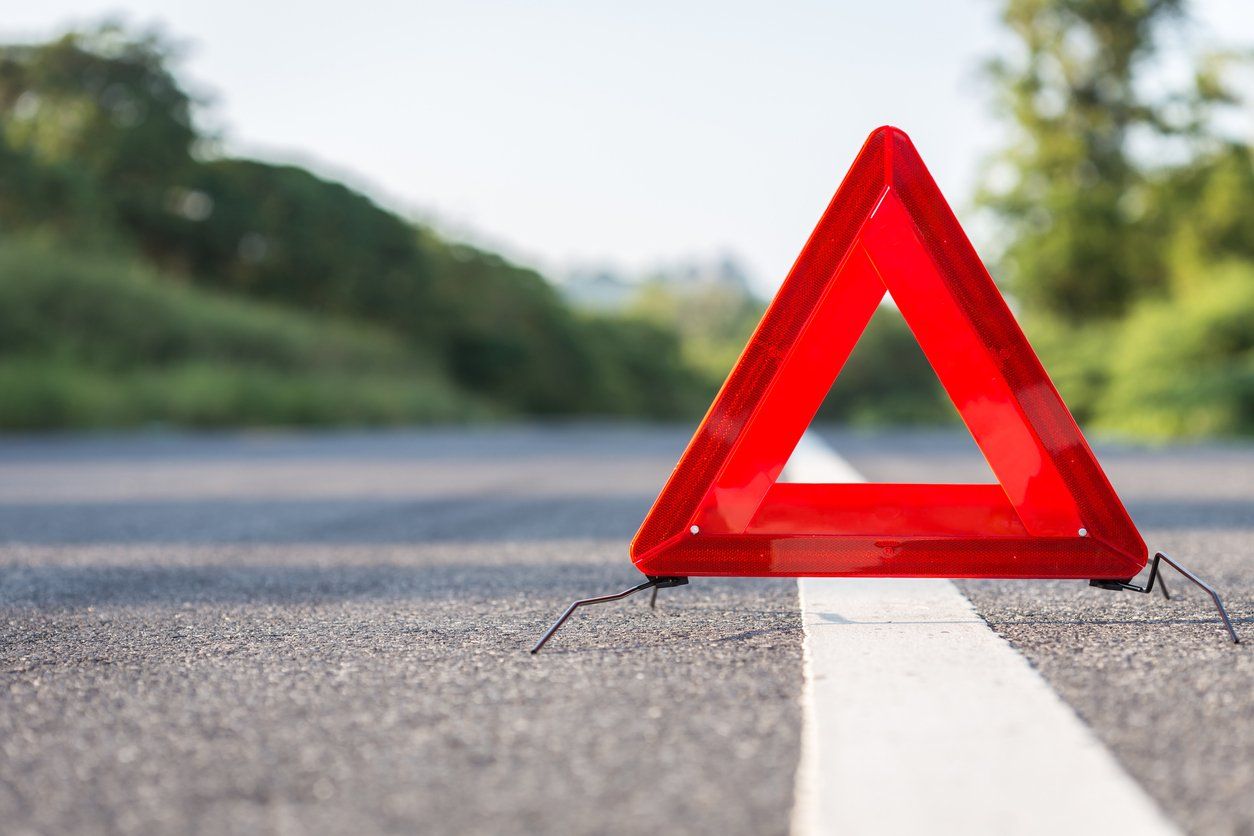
889 417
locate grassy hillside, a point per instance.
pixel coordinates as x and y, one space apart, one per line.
100 341
99 150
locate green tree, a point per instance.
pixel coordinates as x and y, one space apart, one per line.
100 127
1207 209
1070 195
1129 217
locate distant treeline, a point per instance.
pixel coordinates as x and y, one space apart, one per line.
147 277
104 178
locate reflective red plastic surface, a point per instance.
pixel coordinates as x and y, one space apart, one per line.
889 229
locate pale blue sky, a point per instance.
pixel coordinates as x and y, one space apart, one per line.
586 132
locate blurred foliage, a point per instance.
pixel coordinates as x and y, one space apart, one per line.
43 393
1185 367
281 233
887 380
1077 357
1127 217
713 321
99 153
104 128
1207 211
116 314
88 340
146 277
639 356
1071 199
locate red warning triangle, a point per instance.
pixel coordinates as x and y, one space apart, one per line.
1053 513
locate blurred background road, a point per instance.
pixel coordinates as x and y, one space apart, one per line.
325 632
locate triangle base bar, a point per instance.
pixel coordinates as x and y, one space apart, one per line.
773 555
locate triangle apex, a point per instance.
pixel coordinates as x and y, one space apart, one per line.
889 132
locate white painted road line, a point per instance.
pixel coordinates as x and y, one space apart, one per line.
918 718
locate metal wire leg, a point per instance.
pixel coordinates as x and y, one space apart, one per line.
1156 575
655 583
1214 596
653 598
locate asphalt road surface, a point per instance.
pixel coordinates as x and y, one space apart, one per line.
328 634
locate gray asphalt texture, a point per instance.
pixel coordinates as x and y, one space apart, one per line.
327 634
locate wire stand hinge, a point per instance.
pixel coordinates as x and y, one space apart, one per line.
652 583
1156 575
